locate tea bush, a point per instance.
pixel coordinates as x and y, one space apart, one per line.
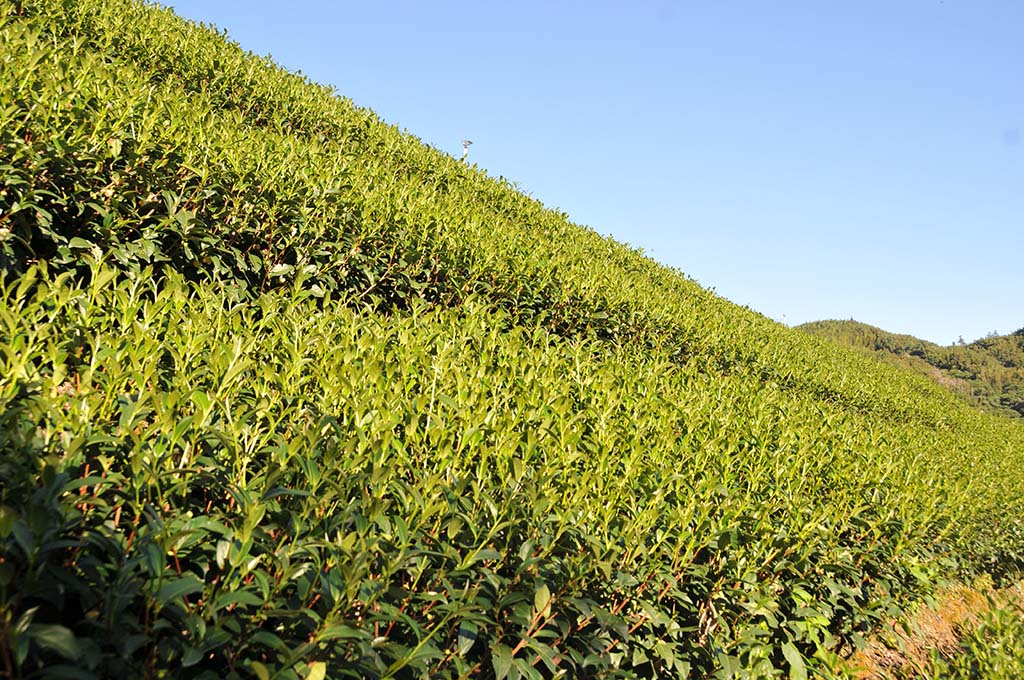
286 393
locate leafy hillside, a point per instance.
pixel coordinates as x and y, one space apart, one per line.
989 372
286 393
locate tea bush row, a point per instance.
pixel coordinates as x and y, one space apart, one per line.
235 483
172 145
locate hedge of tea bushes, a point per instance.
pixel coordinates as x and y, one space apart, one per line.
158 140
286 392
247 485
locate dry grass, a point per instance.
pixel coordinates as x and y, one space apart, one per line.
905 651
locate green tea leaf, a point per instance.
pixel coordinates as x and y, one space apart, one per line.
797 669
57 638
174 588
317 671
260 670
542 600
501 657
467 637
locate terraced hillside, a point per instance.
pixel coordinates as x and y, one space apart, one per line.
286 393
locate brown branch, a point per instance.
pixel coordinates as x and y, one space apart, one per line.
6 653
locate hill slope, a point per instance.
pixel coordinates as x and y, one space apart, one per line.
989 372
287 393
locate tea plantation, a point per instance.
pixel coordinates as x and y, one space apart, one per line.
286 393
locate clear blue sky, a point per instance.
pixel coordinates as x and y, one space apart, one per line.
808 159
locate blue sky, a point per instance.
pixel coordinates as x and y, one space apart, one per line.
810 160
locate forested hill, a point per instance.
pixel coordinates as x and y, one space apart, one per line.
988 372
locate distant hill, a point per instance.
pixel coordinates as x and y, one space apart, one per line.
988 372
